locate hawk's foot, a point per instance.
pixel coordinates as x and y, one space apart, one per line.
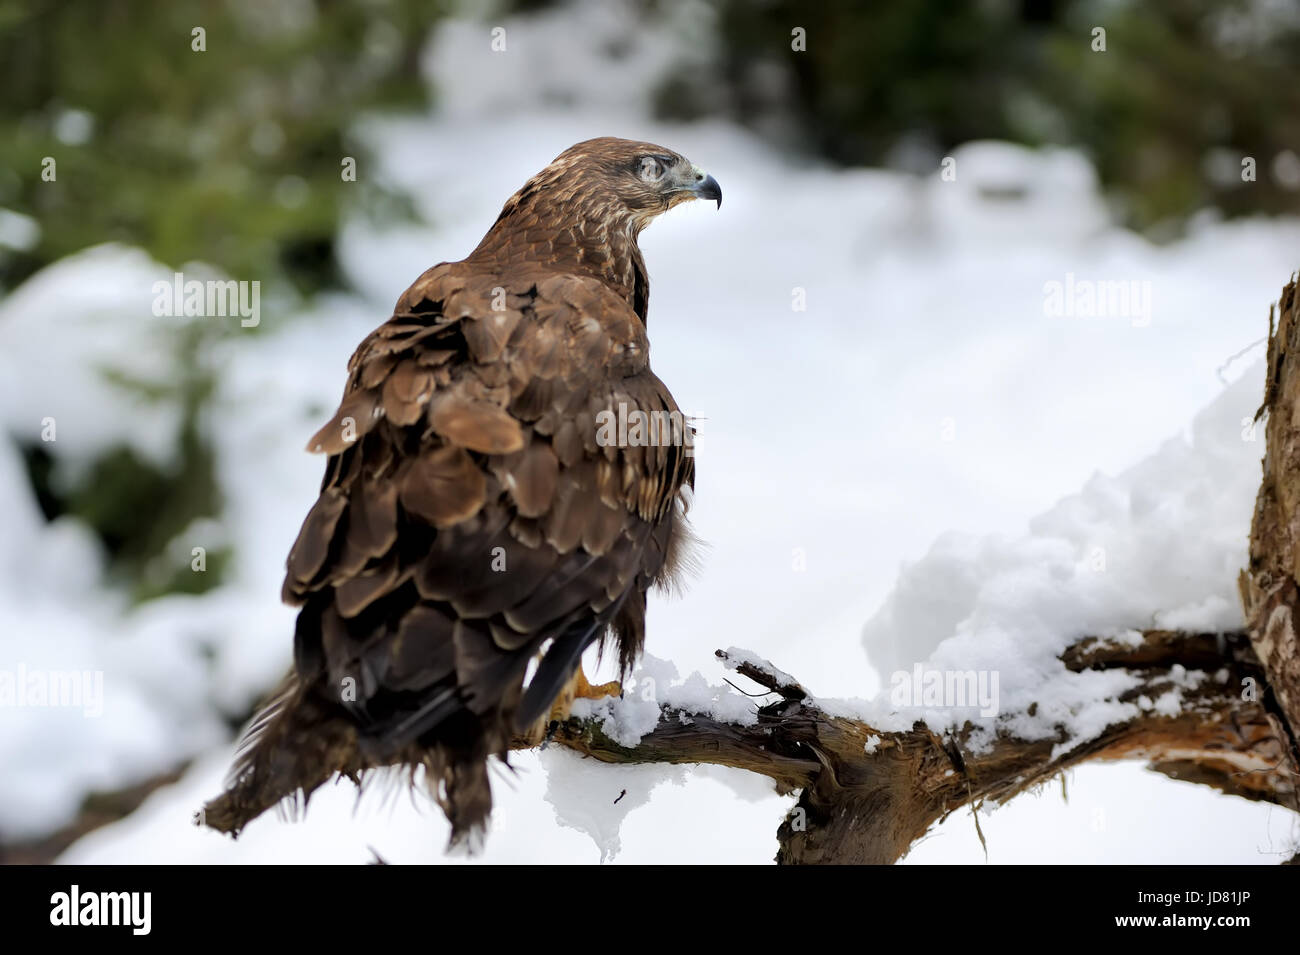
582 690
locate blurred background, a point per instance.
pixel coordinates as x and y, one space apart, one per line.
868 350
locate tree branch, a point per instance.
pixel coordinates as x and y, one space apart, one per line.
870 807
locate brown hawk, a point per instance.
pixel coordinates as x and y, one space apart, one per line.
486 513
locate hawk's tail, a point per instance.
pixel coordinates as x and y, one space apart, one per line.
297 742
292 746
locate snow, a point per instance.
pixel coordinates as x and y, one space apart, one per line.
877 456
595 798
88 293
738 657
655 684
1117 553
172 667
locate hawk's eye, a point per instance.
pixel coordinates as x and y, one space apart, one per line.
651 169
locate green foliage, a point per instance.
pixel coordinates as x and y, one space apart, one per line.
230 156
136 507
1184 90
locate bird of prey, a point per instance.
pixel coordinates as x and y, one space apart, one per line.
486 514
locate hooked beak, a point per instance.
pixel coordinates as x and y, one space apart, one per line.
693 182
708 188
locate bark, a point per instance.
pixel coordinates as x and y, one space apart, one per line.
860 807
1269 590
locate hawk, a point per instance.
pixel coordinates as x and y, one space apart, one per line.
487 513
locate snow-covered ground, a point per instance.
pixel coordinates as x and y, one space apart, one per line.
929 449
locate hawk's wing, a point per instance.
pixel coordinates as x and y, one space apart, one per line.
469 513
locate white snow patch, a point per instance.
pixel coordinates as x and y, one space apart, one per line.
655 685
737 656
1115 555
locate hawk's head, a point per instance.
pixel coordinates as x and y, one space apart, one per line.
610 179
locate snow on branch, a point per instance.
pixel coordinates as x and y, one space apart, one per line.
868 793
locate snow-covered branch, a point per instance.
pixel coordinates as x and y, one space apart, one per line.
867 794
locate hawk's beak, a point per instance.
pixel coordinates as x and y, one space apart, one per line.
707 188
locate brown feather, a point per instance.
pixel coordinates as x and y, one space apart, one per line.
443 486
354 419
530 476
406 391
476 425
312 547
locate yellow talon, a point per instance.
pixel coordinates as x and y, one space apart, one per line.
582 690
579 689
